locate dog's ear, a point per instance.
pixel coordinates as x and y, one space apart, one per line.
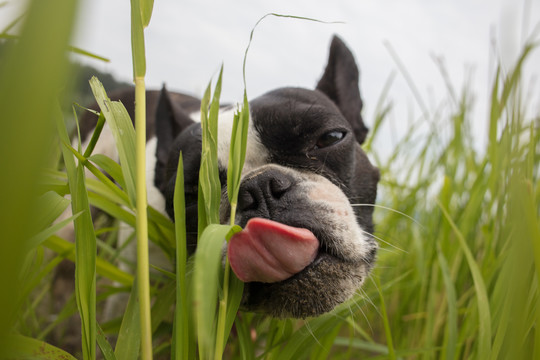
340 83
171 120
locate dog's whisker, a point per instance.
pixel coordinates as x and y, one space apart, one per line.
366 298
390 251
365 317
308 327
393 210
355 301
384 241
374 283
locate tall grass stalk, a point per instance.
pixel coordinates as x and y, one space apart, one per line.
143 267
181 338
141 12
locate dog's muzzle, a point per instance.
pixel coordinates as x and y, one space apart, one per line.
299 228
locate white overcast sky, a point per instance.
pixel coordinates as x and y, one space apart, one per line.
188 40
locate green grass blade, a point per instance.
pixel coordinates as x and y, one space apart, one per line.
146 11
123 132
452 317
22 347
95 135
237 154
360 344
85 247
202 209
182 314
161 309
236 288
111 167
278 16
230 300
207 270
495 113
79 51
386 321
129 337
103 268
322 352
209 172
484 317
157 233
247 346
51 230
137 40
202 220
117 211
106 348
141 12
49 207
301 343
97 173
141 202
85 261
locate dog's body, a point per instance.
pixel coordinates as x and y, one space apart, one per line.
305 248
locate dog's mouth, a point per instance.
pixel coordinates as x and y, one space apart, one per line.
302 250
267 251
293 271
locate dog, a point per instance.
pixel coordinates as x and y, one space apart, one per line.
305 246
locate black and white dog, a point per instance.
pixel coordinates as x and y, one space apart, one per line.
305 247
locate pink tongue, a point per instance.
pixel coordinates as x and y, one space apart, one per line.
268 251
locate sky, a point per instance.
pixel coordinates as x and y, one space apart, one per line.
188 40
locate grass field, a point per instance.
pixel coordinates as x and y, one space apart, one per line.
457 275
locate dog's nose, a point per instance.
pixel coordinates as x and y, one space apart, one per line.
262 194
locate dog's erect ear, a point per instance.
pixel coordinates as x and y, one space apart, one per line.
340 83
171 120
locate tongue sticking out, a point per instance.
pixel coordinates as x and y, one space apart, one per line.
268 251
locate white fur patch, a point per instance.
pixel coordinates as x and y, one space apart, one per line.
155 198
342 222
256 153
157 201
105 144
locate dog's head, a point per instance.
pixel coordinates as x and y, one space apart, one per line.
305 246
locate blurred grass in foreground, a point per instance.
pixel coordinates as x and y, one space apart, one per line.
28 91
464 285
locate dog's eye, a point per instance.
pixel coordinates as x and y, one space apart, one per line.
330 138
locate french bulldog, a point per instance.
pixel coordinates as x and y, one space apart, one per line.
306 244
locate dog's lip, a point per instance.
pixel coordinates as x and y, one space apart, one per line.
269 251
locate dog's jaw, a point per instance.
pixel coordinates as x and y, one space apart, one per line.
318 289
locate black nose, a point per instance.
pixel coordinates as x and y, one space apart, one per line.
262 194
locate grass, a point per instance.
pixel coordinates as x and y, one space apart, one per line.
457 274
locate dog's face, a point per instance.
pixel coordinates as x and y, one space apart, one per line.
305 246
